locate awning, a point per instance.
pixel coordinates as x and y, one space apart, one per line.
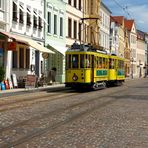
27 41
60 49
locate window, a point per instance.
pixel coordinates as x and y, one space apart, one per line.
49 22
14 12
35 20
80 31
2 54
21 58
69 2
21 20
28 17
14 59
55 24
75 61
79 4
40 23
27 58
75 30
69 27
112 63
75 3
61 26
1 4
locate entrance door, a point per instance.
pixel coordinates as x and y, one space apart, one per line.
37 63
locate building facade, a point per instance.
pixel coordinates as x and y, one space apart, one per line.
24 38
130 26
105 27
55 37
74 25
141 46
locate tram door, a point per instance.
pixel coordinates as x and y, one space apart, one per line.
92 68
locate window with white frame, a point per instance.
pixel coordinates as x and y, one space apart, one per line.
61 26
49 22
21 15
1 4
35 20
14 16
28 17
55 24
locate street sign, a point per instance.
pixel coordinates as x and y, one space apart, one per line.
45 55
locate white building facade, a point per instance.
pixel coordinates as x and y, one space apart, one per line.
73 22
105 27
25 32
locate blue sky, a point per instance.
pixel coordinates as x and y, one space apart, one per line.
135 9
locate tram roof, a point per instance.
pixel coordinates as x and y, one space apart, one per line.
85 48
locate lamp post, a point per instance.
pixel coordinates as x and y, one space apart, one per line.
132 68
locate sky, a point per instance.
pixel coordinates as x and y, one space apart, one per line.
130 9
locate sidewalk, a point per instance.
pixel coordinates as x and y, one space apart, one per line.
14 91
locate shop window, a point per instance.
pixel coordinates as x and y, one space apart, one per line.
14 12
1 54
27 58
21 58
14 59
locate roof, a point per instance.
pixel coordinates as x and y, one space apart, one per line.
117 19
128 24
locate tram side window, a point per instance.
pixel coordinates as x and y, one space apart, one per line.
82 61
68 61
87 61
111 63
120 64
75 61
100 60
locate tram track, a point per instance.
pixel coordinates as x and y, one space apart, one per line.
6 106
71 111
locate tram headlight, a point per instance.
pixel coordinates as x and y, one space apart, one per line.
75 77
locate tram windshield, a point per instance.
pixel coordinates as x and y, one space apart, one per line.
78 61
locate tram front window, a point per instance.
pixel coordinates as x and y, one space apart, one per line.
75 61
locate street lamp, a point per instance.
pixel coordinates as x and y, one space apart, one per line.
132 68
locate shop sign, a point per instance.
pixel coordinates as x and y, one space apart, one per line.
30 81
12 46
45 55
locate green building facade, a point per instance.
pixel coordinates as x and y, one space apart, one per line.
55 37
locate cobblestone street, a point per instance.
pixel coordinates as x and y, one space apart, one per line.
115 117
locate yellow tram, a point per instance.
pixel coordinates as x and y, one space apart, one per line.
87 67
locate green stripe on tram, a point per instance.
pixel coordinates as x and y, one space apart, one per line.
101 72
120 72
